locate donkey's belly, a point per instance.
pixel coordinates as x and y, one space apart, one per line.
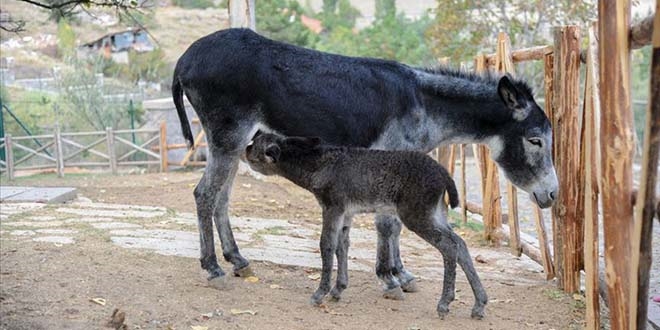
412 132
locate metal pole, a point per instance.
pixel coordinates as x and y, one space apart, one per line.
3 156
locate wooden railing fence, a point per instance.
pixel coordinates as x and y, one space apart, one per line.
111 149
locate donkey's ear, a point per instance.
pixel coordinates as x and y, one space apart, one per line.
257 134
512 98
272 153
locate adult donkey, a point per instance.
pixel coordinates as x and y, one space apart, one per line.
240 82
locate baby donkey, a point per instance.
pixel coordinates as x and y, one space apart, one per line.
347 181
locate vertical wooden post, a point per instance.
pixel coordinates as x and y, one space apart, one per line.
568 237
9 154
59 157
492 209
617 146
645 208
590 163
110 140
504 64
163 146
242 13
546 258
463 186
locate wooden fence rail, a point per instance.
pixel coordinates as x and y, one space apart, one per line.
109 149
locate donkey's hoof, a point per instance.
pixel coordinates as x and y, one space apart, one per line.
477 313
220 283
316 300
443 311
394 294
244 272
335 294
411 286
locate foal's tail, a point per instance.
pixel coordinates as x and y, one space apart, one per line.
177 96
452 192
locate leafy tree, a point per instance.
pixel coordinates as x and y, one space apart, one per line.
385 8
83 94
463 28
338 14
390 36
280 20
66 39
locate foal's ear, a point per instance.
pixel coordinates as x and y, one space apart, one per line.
256 135
272 153
512 98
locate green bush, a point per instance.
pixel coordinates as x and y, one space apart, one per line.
66 39
193 4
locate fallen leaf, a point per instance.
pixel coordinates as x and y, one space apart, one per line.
241 311
578 297
314 276
207 315
99 301
275 286
480 259
198 327
252 279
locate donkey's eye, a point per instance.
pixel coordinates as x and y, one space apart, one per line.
536 141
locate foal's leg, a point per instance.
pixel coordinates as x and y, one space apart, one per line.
386 225
464 259
343 242
332 218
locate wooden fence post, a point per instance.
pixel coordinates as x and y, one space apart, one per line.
492 209
617 146
163 146
242 13
463 186
59 156
568 222
645 208
590 163
504 64
110 139
9 155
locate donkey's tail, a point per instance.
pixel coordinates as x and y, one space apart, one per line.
177 96
453 193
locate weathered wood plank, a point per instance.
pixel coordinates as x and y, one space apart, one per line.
645 208
590 163
568 224
162 143
617 147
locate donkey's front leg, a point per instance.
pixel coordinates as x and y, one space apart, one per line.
331 222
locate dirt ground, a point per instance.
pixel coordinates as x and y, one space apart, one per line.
45 286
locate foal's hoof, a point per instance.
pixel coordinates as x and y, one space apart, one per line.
219 282
394 294
411 286
244 272
442 311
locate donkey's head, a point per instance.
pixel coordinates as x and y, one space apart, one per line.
263 153
523 148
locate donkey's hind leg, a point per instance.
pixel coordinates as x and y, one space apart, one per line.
343 242
407 279
388 259
227 164
386 226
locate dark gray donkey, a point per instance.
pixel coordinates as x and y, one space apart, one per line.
347 181
239 82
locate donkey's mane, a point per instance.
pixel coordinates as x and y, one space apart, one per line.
451 82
